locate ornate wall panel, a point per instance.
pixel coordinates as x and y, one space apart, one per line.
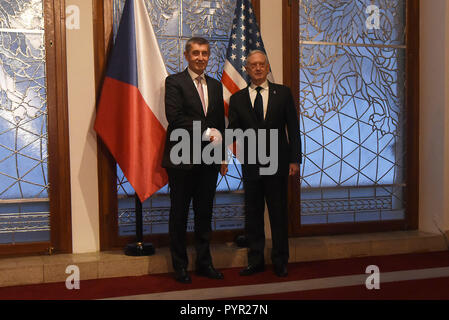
352 110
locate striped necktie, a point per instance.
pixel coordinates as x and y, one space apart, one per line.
201 92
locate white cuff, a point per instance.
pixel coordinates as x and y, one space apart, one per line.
206 134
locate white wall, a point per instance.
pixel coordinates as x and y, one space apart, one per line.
271 31
83 143
434 117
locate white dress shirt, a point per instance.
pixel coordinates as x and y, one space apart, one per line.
264 92
209 132
203 84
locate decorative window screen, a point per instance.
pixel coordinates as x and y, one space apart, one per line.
24 203
174 22
352 110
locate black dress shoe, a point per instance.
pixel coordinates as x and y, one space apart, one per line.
281 270
250 270
182 276
209 272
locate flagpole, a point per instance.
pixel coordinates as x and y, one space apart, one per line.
135 69
139 248
245 37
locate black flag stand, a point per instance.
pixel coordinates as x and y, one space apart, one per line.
139 248
241 241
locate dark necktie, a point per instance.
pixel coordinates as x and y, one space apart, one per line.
258 105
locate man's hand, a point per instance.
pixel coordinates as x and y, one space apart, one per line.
215 136
224 169
294 169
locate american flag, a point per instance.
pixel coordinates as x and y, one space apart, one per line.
245 37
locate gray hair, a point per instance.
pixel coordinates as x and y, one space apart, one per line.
252 52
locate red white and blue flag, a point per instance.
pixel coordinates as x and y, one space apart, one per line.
245 37
131 114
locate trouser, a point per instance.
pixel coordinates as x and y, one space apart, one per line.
273 189
197 185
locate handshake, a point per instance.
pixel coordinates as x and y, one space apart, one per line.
213 135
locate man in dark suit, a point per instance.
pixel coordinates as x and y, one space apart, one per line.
191 96
265 105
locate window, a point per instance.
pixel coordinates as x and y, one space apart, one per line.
32 126
354 79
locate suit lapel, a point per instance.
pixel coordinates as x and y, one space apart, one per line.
272 95
210 93
250 108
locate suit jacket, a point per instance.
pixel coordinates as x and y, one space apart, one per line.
281 115
183 106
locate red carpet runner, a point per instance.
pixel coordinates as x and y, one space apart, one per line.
434 288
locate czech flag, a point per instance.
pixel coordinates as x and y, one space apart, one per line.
131 113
